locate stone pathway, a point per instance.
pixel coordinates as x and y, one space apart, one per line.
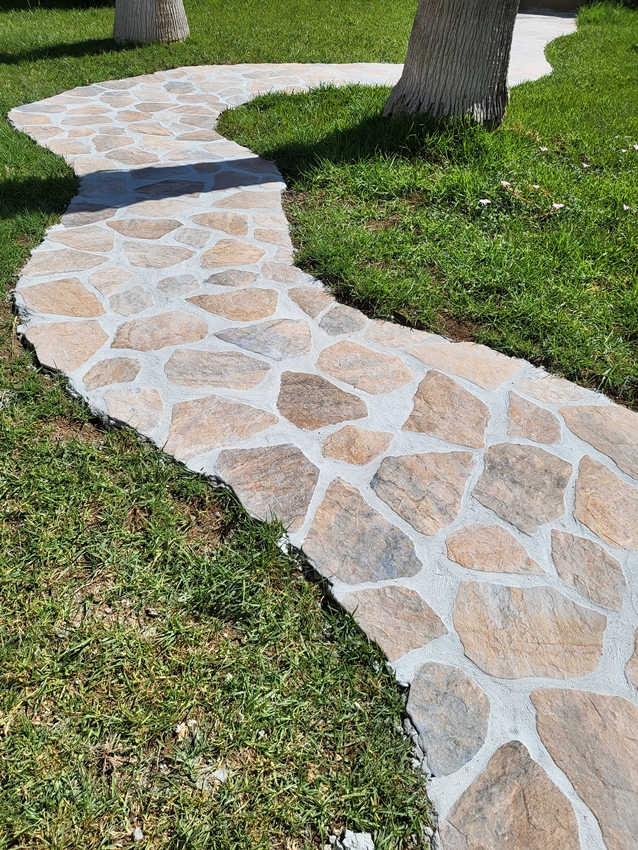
478 516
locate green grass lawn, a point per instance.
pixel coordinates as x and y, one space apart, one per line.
389 213
133 598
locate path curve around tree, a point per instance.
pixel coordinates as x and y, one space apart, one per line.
478 516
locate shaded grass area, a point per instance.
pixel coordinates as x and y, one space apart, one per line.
389 214
135 599
150 632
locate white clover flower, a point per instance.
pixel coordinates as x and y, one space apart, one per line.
558 206
505 184
485 201
543 149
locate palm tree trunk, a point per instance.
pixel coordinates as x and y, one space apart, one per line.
149 21
457 61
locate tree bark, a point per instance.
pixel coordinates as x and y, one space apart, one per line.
149 21
457 61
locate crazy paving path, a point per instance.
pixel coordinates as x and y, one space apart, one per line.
478 516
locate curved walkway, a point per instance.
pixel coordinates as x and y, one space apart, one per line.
478 516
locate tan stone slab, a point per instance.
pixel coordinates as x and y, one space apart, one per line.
109 142
144 256
141 409
152 333
165 189
278 339
116 370
199 136
132 301
67 297
232 277
354 543
66 345
68 146
84 212
364 368
343 320
90 238
273 237
632 664
60 262
551 390
396 618
161 207
144 228
512 805
153 128
204 424
274 222
231 369
606 504
109 280
131 156
311 299
231 252
450 712
232 223
513 632
244 305
445 410
193 236
271 482
611 429
476 363
592 738
281 272
397 336
352 444
524 485
490 548
589 568
310 402
531 422
250 200
426 490
178 285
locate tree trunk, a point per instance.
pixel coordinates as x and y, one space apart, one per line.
457 61
149 21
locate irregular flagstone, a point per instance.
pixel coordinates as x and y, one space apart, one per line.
356 445
144 228
193 236
65 346
231 252
116 370
475 363
309 401
490 548
178 285
232 369
514 632
397 336
154 332
206 423
354 543
245 305
450 713
281 272
632 664
445 410
109 280
250 200
232 223
62 261
589 568
232 277
551 390
132 301
592 738
531 422
606 504
425 490
364 368
142 409
343 320
67 297
611 429
171 189
277 339
524 485
512 805
143 256
275 481
395 617
91 238
273 237
311 299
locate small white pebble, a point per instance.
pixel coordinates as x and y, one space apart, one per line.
558 206
228 677
138 835
636 147
625 207
543 149
536 186
485 201
585 165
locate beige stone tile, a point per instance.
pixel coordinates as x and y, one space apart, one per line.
607 505
244 305
200 369
141 409
356 445
475 363
364 368
531 422
116 370
589 568
310 402
67 297
490 548
445 410
611 429
66 345
151 333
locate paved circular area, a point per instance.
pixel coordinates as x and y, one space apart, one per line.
478 516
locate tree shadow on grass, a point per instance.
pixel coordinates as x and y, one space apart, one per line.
35 5
76 49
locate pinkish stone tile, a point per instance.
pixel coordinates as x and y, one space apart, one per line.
273 237
142 409
445 410
91 238
311 299
144 228
475 363
490 548
232 223
141 255
397 336
551 390
364 368
167 189
310 402
62 261
199 369
193 236
152 333
356 445
250 200
281 272
611 429
67 297
607 505
109 142
132 301
343 320
531 422
116 370
178 285
66 345
277 339
231 252
244 305
109 280
589 568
